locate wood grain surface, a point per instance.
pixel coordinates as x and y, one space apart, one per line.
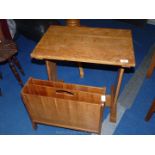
48 103
90 45
58 84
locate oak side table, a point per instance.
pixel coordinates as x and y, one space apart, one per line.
102 46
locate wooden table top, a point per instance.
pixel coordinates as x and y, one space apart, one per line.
85 44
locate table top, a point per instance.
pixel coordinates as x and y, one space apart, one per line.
84 44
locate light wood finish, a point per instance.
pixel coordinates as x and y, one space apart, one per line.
151 111
151 67
51 70
81 70
59 84
114 96
108 100
90 45
73 22
119 81
83 44
113 107
76 22
78 108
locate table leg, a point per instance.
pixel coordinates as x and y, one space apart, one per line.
81 70
51 70
114 96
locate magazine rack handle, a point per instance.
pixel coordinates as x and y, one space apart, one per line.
61 91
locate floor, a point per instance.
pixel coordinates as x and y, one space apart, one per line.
13 115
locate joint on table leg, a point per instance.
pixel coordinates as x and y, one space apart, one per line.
51 70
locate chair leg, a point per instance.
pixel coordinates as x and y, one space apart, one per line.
12 67
150 112
0 92
0 88
151 67
1 75
16 62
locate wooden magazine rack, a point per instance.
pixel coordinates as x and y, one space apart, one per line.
65 105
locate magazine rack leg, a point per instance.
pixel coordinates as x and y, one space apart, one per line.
34 125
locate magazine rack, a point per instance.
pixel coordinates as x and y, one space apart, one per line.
64 105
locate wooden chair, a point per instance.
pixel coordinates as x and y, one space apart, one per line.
8 50
151 111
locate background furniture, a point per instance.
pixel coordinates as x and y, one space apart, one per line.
8 50
148 75
33 29
90 45
73 22
151 111
0 79
151 67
